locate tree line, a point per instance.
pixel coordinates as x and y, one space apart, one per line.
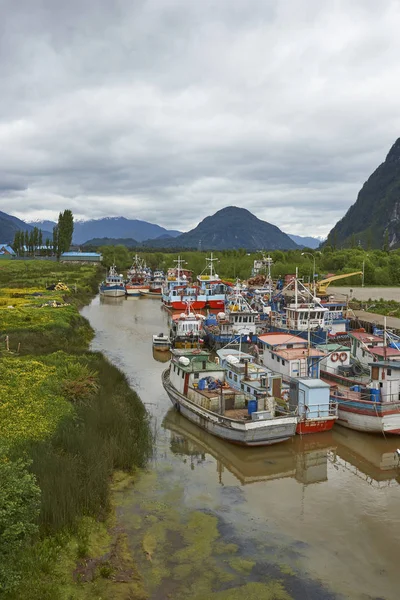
30 243
380 267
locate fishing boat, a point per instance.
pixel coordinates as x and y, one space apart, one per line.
305 317
199 389
238 321
212 286
138 277
374 407
178 290
308 398
187 329
161 342
155 286
113 285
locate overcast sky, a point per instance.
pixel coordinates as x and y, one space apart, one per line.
168 110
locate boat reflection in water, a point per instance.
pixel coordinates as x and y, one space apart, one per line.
161 355
304 458
374 458
117 300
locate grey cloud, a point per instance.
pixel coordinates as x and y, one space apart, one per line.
170 111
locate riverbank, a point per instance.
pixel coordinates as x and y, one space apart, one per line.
68 421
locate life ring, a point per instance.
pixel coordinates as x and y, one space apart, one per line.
342 356
334 357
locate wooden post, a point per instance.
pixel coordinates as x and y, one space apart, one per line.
222 402
7 344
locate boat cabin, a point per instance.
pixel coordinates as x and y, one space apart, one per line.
256 381
290 355
336 359
367 348
310 397
385 378
300 317
204 382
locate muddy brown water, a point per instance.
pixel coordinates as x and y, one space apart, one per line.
317 517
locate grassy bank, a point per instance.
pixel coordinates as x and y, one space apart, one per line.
68 421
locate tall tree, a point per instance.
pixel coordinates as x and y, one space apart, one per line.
63 235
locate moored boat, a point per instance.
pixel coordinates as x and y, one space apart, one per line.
187 329
238 321
113 285
212 286
138 277
198 388
161 342
374 408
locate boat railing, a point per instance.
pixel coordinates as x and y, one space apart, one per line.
322 410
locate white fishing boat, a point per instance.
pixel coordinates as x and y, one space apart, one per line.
161 342
199 389
187 329
375 407
113 285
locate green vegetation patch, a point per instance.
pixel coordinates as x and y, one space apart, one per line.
32 402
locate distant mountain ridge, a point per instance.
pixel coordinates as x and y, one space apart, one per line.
230 228
113 227
374 219
9 225
306 242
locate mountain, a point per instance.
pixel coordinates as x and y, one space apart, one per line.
114 227
306 242
374 219
230 227
9 225
97 242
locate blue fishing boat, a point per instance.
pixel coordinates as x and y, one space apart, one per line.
113 285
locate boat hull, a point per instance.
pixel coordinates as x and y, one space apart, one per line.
182 305
113 292
216 304
135 290
318 425
246 433
373 417
149 294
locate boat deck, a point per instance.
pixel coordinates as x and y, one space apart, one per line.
238 413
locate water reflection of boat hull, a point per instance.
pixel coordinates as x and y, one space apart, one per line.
112 299
372 455
304 459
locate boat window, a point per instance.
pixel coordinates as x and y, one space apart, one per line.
242 386
288 346
248 388
183 374
244 319
283 362
235 377
196 376
278 359
174 368
389 371
230 374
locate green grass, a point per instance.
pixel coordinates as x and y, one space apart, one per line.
70 415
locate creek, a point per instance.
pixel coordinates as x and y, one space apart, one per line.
316 517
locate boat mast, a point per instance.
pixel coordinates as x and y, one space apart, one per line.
269 261
296 287
211 260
